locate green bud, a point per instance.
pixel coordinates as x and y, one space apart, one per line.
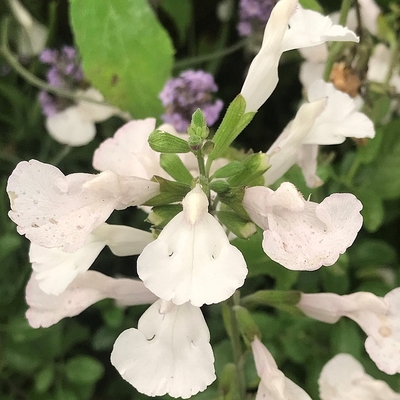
233 168
233 198
161 215
198 126
248 328
170 192
254 166
195 143
164 142
239 226
208 147
172 164
227 380
275 298
219 186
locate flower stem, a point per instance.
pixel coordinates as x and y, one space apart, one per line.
337 47
31 78
237 349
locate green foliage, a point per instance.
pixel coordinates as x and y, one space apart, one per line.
125 51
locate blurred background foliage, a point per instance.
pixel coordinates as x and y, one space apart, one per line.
70 361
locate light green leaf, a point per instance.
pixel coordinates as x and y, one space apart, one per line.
125 52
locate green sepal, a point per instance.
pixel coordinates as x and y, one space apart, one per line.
233 198
232 124
164 142
208 147
233 168
275 298
161 215
219 186
195 143
171 192
173 165
248 327
240 227
198 126
254 166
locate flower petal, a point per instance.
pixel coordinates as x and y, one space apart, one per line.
192 259
53 210
71 127
88 288
169 353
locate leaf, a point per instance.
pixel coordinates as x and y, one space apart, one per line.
125 51
311 5
83 370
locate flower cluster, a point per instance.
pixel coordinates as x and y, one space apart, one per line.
67 121
188 261
183 95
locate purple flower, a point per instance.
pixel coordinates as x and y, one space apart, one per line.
65 72
183 95
253 15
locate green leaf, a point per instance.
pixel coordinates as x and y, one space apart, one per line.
125 51
181 13
171 192
83 370
172 164
164 142
44 378
311 5
372 252
240 227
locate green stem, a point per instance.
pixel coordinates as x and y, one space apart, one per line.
31 78
188 62
393 62
336 47
237 350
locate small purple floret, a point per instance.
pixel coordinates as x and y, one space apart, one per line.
253 15
183 95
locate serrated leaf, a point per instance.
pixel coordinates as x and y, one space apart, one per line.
125 51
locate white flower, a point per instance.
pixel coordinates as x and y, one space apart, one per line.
299 234
306 28
75 126
32 35
169 353
284 152
56 269
378 317
54 210
128 152
88 288
332 118
273 385
192 259
344 378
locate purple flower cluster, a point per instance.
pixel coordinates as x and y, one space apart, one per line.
65 72
183 95
253 15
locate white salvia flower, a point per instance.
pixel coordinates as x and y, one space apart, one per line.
192 259
88 288
169 353
128 152
56 269
299 234
32 35
333 117
75 126
306 28
344 378
273 385
378 317
285 151
54 210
